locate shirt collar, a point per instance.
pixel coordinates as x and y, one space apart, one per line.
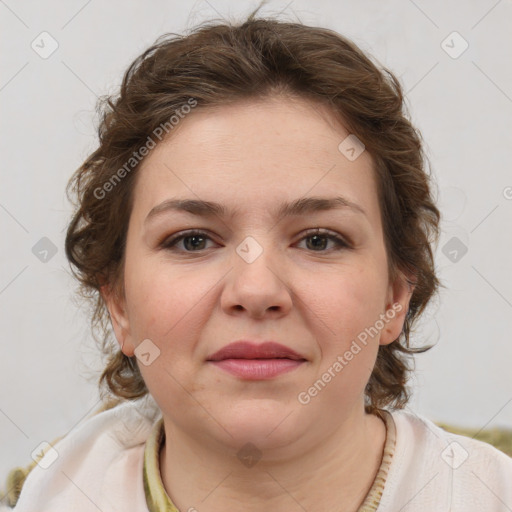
158 500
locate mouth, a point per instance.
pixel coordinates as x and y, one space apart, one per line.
250 361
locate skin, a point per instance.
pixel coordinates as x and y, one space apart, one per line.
251 156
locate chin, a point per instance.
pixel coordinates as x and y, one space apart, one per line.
263 423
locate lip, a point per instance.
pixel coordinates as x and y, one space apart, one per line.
251 361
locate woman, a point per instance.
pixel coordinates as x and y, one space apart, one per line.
256 226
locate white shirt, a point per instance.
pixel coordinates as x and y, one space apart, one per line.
99 467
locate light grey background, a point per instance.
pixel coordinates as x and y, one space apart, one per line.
462 105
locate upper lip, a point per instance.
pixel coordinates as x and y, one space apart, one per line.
251 350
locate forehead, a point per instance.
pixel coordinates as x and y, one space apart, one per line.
261 152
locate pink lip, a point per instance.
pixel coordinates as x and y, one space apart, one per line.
256 362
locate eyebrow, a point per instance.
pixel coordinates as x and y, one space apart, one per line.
302 206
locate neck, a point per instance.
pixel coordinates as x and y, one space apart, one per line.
334 475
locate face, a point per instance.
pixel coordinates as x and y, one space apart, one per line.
311 279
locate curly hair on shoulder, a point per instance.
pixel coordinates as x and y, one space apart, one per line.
218 63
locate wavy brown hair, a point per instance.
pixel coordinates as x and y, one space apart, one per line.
219 63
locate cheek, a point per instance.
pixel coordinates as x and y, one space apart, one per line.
349 299
165 302
350 310
345 319
168 308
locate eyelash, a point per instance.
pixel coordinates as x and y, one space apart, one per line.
171 242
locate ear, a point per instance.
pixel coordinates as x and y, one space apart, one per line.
118 316
397 305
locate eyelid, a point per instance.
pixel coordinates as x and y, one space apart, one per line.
177 237
332 235
341 241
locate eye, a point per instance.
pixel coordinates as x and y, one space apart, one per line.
320 238
194 241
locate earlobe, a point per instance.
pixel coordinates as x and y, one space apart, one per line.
119 319
397 306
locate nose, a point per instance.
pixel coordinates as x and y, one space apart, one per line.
257 287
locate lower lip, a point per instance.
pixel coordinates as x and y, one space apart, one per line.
257 369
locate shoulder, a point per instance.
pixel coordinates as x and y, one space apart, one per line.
17 476
99 443
456 450
435 468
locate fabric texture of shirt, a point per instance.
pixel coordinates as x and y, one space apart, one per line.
110 463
